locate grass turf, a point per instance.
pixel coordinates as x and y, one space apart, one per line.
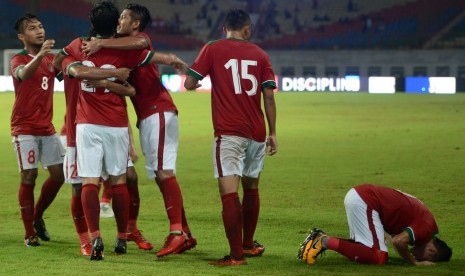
327 144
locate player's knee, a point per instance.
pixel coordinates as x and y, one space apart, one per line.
29 176
164 174
131 177
76 190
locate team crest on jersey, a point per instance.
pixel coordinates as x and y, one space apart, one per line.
51 68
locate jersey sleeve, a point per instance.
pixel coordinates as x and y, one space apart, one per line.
147 38
137 58
72 49
202 64
268 76
17 62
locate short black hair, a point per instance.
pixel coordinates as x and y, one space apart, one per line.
236 19
140 13
19 24
104 18
443 253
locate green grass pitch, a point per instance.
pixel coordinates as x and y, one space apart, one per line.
327 144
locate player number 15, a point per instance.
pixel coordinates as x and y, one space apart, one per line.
234 65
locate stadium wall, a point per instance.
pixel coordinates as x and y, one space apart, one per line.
364 63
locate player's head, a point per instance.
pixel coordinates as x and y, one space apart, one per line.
238 21
435 250
30 30
104 18
134 17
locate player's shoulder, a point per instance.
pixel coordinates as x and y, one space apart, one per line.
21 54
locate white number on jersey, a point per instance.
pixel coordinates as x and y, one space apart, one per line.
89 63
234 65
44 83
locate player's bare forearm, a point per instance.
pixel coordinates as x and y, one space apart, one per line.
270 111
191 83
58 60
27 71
171 60
122 43
400 243
93 73
124 89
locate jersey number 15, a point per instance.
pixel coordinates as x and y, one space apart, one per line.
234 65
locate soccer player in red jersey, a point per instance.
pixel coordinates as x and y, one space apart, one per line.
240 72
158 124
34 136
372 211
71 86
102 126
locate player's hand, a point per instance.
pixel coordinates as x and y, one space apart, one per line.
424 263
133 154
46 47
96 83
91 46
122 73
271 145
178 64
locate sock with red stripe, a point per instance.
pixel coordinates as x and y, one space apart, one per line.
172 197
250 211
134 202
48 193
26 206
120 208
233 221
357 252
91 208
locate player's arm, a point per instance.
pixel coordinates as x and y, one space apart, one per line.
191 83
58 60
79 71
27 71
169 59
124 89
132 146
123 43
270 111
400 243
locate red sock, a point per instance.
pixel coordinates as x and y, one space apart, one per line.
185 226
250 210
107 192
134 202
48 193
173 202
91 208
78 215
233 220
26 206
357 252
120 208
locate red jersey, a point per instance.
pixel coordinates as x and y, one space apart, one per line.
238 70
151 96
71 96
399 211
99 106
33 108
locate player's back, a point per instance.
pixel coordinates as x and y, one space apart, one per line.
238 70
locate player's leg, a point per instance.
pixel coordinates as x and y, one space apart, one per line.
105 207
367 235
253 165
27 154
159 136
115 142
228 158
77 212
133 233
51 157
90 156
79 220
